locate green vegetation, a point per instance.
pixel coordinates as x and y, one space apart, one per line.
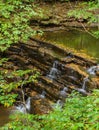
14 27
11 80
79 113
14 21
87 11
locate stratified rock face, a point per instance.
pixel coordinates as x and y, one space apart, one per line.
59 75
56 16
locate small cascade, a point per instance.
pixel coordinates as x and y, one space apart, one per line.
92 70
25 108
55 64
58 104
84 83
83 89
21 108
54 72
28 104
43 94
63 93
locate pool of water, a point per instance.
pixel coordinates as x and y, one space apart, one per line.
78 40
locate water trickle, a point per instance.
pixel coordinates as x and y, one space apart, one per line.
65 89
54 72
83 89
84 83
63 93
43 94
28 103
21 108
59 103
92 70
55 64
25 108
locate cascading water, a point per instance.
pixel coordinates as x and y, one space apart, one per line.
84 83
43 94
92 70
25 107
58 104
28 104
83 89
54 72
55 64
21 108
63 93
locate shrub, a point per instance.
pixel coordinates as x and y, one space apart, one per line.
78 113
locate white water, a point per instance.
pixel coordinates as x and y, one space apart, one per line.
83 89
59 104
92 70
24 108
63 93
54 72
28 103
43 94
84 83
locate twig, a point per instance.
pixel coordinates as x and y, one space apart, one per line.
86 30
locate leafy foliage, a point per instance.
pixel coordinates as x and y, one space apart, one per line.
14 27
79 113
14 21
10 80
87 11
23 122
7 98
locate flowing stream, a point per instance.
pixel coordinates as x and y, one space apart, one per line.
84 87
78 40
54 72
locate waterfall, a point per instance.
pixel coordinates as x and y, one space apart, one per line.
92 70
25 108
59 104
42 95
55 64
83 89
84 83
54 72
63 93
28 103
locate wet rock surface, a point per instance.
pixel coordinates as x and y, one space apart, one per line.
59 75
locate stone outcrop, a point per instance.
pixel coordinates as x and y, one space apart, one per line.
69 71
